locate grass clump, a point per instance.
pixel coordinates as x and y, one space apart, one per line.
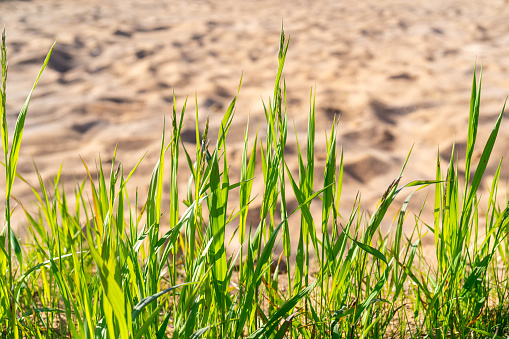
120 276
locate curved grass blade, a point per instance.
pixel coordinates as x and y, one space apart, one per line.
483 162
199 333
371 250
150 299
20 124
269 327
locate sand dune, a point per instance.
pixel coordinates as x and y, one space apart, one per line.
397 73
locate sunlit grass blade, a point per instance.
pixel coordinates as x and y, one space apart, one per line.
97 264
3 98
20 124
374 292
473 121
247 172
150 299
270 326
483 163
113 291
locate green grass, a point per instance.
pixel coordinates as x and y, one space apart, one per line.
101 269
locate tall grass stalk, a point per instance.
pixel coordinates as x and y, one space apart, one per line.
10 161
105 263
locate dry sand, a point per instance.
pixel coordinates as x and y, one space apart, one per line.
397 72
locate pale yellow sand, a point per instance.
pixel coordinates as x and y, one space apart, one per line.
398 73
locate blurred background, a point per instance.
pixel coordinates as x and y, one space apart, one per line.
397 74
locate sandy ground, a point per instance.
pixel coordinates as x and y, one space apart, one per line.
397 72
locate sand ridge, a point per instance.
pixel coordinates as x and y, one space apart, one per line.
397 73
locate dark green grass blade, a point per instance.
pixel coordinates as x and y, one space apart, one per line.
487 334
268 328
284 328
162 329
145 327
16 247
371 250
150 299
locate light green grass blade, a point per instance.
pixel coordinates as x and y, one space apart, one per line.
199 333
375 292
255 278
225 124
20 124
150 299
217 221
3 97
45 263
473 122
247 172
112 289
301 198
372 323
483 162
